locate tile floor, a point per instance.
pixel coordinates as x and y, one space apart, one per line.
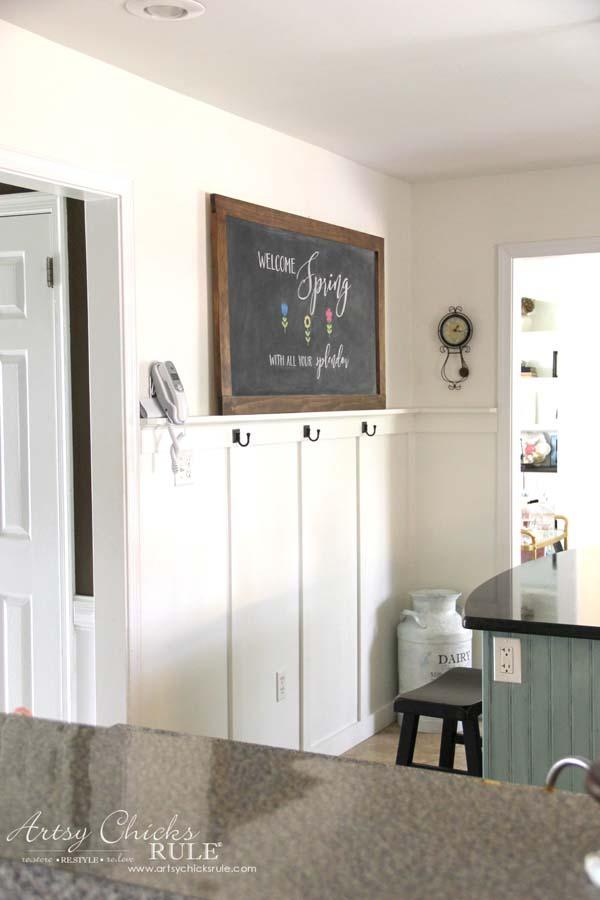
382 748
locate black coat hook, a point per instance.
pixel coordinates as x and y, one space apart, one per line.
236 437
307 434
365 429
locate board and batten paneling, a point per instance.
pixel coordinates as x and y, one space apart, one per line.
265 594
285 554
554 712
329 589
185 594
384 560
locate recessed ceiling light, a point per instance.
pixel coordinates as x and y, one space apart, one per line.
166 10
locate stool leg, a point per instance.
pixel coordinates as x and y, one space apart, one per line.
473 747
448 744
408 736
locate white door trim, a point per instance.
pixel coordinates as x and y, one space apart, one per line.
507 458
118 662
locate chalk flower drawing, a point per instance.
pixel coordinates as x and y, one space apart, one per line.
307 328
284 316
329 320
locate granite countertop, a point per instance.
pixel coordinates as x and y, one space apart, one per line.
312 826
556 595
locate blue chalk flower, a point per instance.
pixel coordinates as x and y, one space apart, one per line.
284 309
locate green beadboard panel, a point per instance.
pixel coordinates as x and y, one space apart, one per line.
486 732
595 705
497 731
582 720
554 712
561 735
541 712
520 720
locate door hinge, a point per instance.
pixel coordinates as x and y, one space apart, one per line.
50 271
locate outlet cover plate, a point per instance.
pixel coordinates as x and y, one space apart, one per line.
280 685
507 660
184 474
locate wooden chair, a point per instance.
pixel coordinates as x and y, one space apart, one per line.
454 697
535 540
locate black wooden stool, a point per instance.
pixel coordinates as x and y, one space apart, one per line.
454 697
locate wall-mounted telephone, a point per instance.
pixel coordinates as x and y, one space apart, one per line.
166 387
168 390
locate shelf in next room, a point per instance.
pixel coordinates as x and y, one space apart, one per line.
540 380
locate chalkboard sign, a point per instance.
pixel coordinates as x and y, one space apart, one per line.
298 312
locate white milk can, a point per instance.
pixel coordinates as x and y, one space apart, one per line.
431 640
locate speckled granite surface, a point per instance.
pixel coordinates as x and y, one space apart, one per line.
313 826
35 882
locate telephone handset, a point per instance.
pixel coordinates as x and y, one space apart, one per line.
168 388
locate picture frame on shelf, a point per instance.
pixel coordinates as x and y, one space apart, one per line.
539 451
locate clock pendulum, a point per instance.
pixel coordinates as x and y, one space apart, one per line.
455 330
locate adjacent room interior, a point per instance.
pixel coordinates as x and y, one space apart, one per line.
557 295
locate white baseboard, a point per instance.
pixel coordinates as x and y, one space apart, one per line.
85 660
83 612
354 734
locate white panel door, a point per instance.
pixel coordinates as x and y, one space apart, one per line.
265 594
30 598
329 587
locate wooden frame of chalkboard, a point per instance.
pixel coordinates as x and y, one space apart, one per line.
238 333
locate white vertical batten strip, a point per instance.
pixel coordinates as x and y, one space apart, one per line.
359 574
301 692
229 600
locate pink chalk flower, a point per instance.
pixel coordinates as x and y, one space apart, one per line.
329 315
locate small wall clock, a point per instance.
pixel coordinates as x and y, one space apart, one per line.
455 331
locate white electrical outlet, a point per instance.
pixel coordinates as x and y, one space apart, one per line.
183 472
507 660
280 686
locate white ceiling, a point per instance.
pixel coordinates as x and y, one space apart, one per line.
416 88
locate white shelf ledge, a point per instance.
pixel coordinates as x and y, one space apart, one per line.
344 414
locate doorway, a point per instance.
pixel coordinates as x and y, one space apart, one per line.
548 430
36 533
50 672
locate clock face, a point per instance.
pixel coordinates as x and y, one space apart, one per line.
455 330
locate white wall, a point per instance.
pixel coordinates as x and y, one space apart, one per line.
67 106
457 226
176 151
260 565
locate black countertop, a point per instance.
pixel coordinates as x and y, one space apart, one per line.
306 827
557 595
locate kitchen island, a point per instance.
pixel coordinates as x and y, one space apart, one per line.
130 812
552 605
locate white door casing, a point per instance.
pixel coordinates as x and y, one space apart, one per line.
36 582
114 401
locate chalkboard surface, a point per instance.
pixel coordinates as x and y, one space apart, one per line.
300 314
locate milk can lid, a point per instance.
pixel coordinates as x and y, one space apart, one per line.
434 592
